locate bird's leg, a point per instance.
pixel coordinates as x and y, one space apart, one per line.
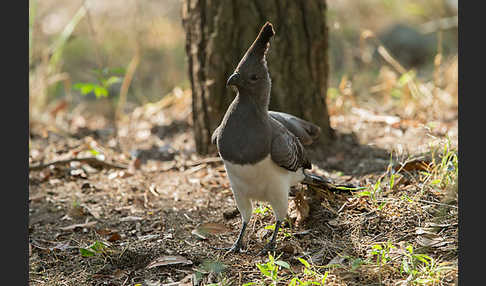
238 243
270 246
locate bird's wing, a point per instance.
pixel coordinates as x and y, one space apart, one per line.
215 135
306 131
286 149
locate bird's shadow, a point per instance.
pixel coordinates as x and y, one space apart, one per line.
350 157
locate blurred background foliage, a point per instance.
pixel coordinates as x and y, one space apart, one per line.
80 51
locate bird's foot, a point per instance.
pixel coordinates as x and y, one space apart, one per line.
235 248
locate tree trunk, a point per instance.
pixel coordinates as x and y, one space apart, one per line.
218 33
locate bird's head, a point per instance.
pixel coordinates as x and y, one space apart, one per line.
251 75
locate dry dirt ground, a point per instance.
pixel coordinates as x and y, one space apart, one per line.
148 210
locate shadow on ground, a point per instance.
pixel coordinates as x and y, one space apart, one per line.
350 157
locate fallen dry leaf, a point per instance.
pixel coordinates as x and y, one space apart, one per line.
168 260
114 237
301 209
431 240
209 228
104 231
415 165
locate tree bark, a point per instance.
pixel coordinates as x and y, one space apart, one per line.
218 32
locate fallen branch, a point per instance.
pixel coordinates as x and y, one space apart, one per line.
206 161
90 160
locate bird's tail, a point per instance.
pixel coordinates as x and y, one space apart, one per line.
323 183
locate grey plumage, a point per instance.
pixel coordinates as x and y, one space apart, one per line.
286 149
306 131
263 151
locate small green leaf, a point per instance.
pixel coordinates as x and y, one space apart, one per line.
303 261
86 252
97 246
423 258
392 181
363 194
376 246
323 281
111 80
270 227
435 182
264 270
405 78
409 248
283 264
377 185
84 88
100 91
381 206
423 280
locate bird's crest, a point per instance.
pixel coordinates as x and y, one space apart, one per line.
262 41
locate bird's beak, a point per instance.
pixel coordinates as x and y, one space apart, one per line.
233 79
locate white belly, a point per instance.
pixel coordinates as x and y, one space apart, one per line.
262 181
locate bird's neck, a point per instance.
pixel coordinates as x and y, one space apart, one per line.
259 101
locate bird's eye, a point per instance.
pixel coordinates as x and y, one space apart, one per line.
254 77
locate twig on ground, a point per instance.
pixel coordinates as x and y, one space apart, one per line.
90 160
206 161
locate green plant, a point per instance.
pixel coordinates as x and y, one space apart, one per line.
272 227
104 79
261 209
402 83
444 169
97 247
382 251
421 268
373 193
271 268
311 276
447 170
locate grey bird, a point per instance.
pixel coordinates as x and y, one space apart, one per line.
263 151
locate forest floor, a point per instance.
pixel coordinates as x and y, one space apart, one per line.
145 209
